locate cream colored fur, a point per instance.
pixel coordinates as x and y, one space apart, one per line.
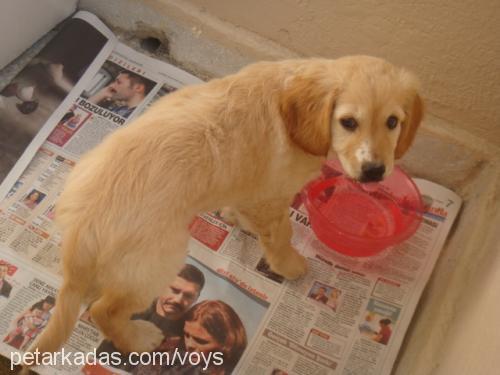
249 141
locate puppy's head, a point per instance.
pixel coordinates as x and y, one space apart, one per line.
361 109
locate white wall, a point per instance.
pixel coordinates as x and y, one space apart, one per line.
23 22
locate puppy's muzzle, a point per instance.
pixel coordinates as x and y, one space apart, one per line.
372 172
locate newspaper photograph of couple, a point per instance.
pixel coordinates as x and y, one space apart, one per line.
199 312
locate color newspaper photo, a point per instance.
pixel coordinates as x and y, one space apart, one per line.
200 312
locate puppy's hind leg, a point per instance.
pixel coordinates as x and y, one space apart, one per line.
112 313
132 283
270 221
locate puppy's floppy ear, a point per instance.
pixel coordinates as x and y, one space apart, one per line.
409 127
306 107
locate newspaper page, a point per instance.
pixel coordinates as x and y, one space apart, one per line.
349 315
346 316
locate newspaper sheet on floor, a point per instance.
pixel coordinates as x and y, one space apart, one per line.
346 316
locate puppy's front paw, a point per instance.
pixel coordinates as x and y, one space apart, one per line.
290 267
141 336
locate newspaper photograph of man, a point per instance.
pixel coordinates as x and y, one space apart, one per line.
117 90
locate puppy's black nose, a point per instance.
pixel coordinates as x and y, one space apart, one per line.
372 172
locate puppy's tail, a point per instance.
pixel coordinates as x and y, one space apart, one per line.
61 323
63 320
68 301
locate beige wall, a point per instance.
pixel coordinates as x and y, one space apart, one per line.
454 46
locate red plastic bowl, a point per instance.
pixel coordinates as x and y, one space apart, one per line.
363 219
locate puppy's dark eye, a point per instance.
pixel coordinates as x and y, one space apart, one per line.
349 123
392 122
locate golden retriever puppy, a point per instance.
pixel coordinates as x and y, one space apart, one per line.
249 141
